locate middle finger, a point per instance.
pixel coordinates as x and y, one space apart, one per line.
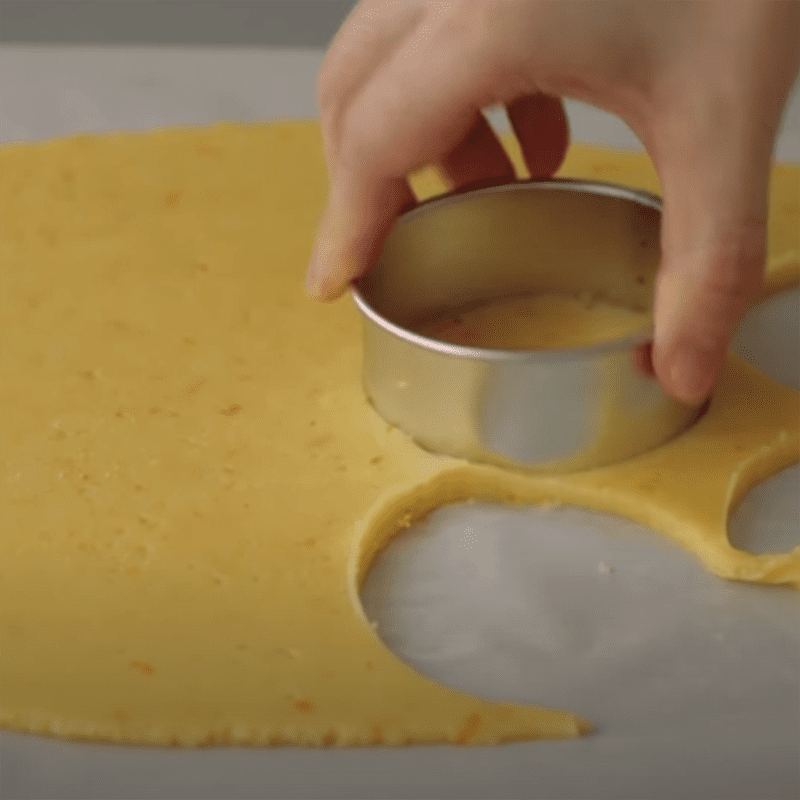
478 156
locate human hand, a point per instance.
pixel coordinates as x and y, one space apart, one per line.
702 83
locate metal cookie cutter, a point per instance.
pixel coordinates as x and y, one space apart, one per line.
555 410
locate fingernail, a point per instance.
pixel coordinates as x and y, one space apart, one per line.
329 265
691 376
320 284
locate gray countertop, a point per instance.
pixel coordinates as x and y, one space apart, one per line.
48 91
274 23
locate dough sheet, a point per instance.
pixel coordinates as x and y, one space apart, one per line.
542 321
193 485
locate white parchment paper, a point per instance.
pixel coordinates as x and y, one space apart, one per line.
692 681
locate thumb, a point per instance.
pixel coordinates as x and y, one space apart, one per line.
713 245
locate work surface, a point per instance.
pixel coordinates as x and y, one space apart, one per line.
693 681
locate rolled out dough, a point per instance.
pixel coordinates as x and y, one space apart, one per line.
193 484
542 321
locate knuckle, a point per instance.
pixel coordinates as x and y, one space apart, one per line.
734 272
329 103
359 144
327 88
331 76
735 263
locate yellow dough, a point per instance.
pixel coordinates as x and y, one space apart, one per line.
193 484
542 321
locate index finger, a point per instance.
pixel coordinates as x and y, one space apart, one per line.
416 108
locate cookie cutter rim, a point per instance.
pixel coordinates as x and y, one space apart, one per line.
628 342
484 435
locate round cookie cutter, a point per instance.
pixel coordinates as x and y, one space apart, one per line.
556 410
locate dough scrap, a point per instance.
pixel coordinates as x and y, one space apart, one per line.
186 449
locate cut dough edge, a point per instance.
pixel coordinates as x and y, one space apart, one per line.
706 537
639 489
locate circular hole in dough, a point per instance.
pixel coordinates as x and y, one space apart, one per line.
768 337
768 518
572 608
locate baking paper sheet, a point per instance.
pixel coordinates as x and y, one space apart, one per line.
692 681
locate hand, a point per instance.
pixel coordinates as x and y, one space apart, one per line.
702 84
